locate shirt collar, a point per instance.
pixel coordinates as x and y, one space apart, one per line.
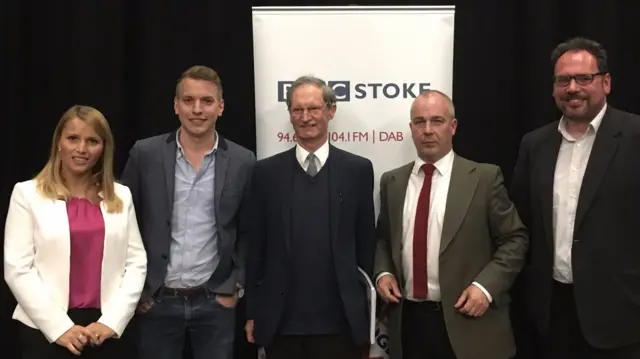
321 154
593 125
180 152
443 165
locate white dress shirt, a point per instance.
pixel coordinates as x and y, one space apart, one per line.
438 201
570 167
322 154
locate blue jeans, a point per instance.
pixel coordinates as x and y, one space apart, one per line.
209 325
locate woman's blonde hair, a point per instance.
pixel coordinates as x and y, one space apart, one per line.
50 182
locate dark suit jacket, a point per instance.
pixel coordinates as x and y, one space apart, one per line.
606 243
150 174
483 240
352 237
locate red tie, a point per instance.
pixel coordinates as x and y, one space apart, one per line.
420 230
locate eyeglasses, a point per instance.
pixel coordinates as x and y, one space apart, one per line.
581 79
313 110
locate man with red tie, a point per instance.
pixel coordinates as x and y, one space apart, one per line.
450 244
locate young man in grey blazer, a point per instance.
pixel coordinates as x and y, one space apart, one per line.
189 189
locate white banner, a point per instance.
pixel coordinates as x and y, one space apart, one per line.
377 59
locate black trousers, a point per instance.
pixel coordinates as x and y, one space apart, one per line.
424 334
314 347
566 341
34 345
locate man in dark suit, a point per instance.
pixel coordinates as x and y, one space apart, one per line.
576 186
314 225
189 189
450 244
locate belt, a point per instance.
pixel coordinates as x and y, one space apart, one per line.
183 292
424 305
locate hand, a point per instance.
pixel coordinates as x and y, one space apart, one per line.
388 289
227 301
99 333
144 305
473 302
248 328
74 339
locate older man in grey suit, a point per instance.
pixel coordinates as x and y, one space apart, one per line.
189 189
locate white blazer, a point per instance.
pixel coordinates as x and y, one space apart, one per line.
36 261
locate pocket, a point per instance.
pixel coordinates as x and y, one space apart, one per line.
226 302
155 302
235 192
230 201
626 281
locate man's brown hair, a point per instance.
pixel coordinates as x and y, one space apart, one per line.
199 72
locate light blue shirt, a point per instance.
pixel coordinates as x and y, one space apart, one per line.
194 251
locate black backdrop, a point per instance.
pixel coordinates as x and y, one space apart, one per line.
123 57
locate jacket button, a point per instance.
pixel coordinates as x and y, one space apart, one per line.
164 256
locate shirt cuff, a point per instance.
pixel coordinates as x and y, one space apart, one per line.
382 274
484 291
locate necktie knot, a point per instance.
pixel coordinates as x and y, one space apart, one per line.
428 169
312 169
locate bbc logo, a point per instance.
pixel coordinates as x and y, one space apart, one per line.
341 88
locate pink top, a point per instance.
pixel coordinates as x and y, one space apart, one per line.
86 229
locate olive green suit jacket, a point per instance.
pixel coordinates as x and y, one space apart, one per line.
483 240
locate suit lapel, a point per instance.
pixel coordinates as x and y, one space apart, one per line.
286 194
57 220
222 161
547 169
169 160
335 192
396 194
604 147
54 225
109 220
462 187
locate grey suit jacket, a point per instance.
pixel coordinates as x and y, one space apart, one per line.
150 174
483 240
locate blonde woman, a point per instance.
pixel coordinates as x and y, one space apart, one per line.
73 256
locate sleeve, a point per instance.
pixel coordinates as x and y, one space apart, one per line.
256 242
130 175
366 223
511 240
243 222
519 189
22 276
383 262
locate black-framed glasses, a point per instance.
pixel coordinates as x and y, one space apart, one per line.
581 79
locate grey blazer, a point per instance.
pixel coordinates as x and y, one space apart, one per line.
150 174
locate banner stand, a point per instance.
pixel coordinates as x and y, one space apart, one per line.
377 59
